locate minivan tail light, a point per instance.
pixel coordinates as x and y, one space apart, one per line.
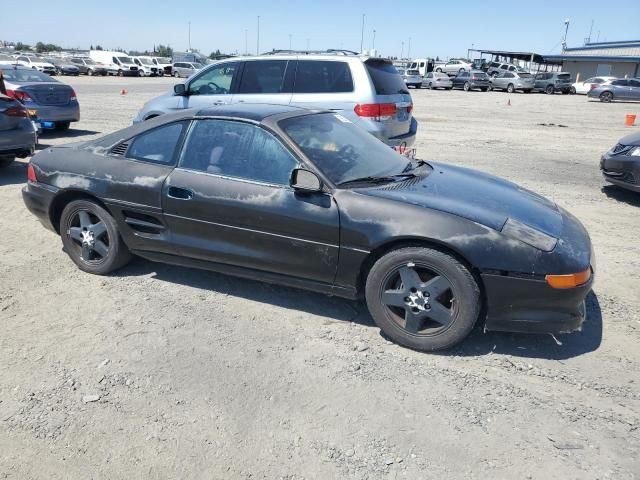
410 108
31 174
375 109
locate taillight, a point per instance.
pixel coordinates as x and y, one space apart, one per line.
375 109
31 174
410 108
73 95
18 95
16 112
594 86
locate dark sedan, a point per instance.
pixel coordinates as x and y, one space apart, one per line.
54 103
475 79
621 164
621 89
18 135
64 67
308 199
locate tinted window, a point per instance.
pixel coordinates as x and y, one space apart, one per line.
504 67
215 81
263 76
27 75
157 145
324 77
509 75
564 76
622 83
421 64
239 150
634 83
512 69
385 78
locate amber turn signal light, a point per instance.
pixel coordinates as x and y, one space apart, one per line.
569 281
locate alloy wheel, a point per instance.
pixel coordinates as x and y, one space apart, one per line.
90 236
419 299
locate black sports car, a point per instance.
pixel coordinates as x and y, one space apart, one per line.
307 199
621 164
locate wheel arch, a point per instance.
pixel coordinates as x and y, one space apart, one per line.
65 197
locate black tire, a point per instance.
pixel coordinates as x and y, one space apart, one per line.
466 87
120 73
606 97
549 90
490 88
418 86
62 126
484 89
7 160
461 71
412 324
511 88
572 90
90 73
108 252
527 91
439 70
176 74
430 86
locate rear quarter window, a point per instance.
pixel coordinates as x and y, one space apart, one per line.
386 79
317 76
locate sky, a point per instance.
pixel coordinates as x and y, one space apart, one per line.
443 28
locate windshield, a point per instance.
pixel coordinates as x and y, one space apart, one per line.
23 75
126 60
340 149
88 61
524 75
564 76
145 61
197 65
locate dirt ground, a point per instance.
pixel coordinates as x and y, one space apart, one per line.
167 372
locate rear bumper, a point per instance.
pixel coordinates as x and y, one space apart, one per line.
531 306
38 197
19 141
55 113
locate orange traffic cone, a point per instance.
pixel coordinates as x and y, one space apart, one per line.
123 92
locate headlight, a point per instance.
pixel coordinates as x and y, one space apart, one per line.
635 152
529 235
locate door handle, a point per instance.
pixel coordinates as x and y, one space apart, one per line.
180 193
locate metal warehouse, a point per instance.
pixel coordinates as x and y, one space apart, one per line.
618 59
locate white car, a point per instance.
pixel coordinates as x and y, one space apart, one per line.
454 66
146 66
437 80
36 63
583 88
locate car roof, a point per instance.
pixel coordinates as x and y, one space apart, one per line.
256 112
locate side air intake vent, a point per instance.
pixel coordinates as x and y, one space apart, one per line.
120 149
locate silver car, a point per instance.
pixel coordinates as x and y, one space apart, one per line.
185 69
512 81
412 78
364 90
437 80
624 89
18 135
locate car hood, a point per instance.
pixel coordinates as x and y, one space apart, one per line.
42 64
476 196
633 139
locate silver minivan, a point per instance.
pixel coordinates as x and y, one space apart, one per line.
368 91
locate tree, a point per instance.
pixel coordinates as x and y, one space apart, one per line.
215 55
22 46
98 47
164 51
91 48
47 47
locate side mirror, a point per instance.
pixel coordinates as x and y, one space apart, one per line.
180 89
305 181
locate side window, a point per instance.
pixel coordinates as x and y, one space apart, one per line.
323 77
23 59
508 75
620 83
237 149
263 76
157 145
634 83
215 81
593 80
504 67
512 68
421 64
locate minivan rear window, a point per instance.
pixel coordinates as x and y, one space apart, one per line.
385 77
317 76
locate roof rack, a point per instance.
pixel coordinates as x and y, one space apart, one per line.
330 51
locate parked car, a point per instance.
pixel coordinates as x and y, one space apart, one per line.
512 81
165 64
307 199
119 63
496 68
620 89
582 88
64 66
7 60
475 79
411 78
146 67
621 164
552 82
185 69
54 103
18 135
454 66
36 63
90 67
437 80
365 90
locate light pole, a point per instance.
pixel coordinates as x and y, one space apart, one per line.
258 38
566 30
362 35
246 41
189 35
402 51
409 49
307 44
290 42
373 44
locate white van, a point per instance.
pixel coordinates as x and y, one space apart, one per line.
147 67
419 64
119 62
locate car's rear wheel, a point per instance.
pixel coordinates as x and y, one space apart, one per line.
439 70
572 90
606 97
549 90
90 72
511 88
6 160
90 237
423 298
466 87
176 74
62 126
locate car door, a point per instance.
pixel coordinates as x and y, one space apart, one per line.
634 89
620 88
499 81
229 202
212 86
265 81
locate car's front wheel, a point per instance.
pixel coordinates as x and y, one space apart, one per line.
422 298
549 90
90 237
466 87
606 97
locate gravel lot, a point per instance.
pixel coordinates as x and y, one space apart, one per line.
166 372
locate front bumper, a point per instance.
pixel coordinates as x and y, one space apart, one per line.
37 198
621 170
